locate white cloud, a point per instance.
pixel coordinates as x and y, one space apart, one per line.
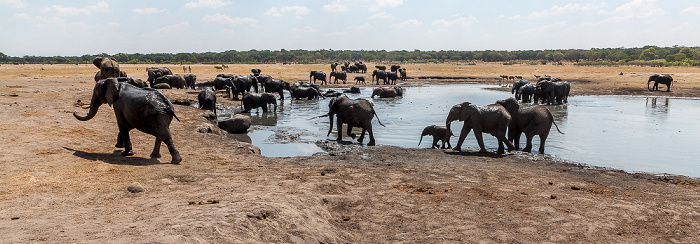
377 5
14 3
515 17
380 15
569 8
172 29
366 26
71 11
148 10
220 18
407 24
298 11
458 21
305 29
206 4
691 10
111 23
546 28
335 7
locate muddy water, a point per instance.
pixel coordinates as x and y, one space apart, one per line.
630 133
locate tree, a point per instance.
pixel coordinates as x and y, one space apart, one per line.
649 54
558 56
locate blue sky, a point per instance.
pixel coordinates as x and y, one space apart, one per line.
75 28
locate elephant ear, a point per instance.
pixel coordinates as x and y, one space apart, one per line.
97 62
111 90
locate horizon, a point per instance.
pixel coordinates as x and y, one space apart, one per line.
43 28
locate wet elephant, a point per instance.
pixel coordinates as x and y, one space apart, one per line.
309 93
154 73
109 68
338 75
516 88
386 92
258 100
526 93
493 119
379 74
207 100
355 113
531 120
555 92
277 86
243 85
190 80
144 109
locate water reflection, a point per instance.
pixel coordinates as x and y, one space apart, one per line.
657 106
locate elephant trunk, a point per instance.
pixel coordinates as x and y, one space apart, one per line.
94 106
421 140
330 116
648 83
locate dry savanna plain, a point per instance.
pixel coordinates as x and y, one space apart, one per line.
63 181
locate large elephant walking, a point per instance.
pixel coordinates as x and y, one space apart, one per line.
531 120
145 109
243 85
380 74
277 86
660 79
493 119
338 75
258 100
318 75
354 112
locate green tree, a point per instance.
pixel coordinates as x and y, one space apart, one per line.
649 54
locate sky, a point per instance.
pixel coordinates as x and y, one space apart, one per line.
76 28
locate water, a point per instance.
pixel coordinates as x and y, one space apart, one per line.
646 134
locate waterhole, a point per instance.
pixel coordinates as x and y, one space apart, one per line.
647 134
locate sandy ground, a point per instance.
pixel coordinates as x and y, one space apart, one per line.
64 182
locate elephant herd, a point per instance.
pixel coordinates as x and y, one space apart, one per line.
547 90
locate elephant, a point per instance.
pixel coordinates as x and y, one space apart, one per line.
154 72
258 100
162 86
660 79
305 92
354 112
402 74
207 99
304 84
98 75
175 81
361 67
556 92
318 75
338 75
334 66
277 86
262 79
386 92
331 93
256 72
380 74
439 133
380 67
526 92
352 69
359 79
392 77
243 85
190 80
225 83
394 68
353 89
493 119
145 109
109 68
516 87
531 120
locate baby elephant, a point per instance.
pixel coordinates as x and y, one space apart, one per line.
439 133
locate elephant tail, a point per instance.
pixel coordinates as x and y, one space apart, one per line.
556 126
375 115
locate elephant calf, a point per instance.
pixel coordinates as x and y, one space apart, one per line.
439 133
207 99
386 92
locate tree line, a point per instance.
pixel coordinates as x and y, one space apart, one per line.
647 55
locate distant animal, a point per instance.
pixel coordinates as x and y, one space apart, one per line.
145 109
338 75
318 75
359 79
660 79
380 74
394 68
175 81
380 67
190 80
155 72
439 133
386 92
162 86
334 66
218 67
309 93
402 73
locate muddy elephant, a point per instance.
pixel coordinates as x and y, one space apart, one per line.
162 86
190 80
175 81
386 92
493 119
355 113
660 79
555 92
380 74
243 85
225 83
258 100
207 99
109 68
531 120
309 93
338 75
439 133
277 86
516 88
318 75
154 72
526 93
145 109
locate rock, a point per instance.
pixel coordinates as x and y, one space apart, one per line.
237 124
209 116
135 188
210 128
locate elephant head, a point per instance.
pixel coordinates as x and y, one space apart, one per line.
105 91
109 67
270 99
255 72
377 92
429 130
333 107
460 112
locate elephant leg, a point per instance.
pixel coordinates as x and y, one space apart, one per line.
156 148
340 129
516 139
528 146
124 132
120 142
462 135
163 134
349 132
436 139
264 108
371 135
480 140
543 139
362 136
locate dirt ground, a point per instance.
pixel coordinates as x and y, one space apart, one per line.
64 182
